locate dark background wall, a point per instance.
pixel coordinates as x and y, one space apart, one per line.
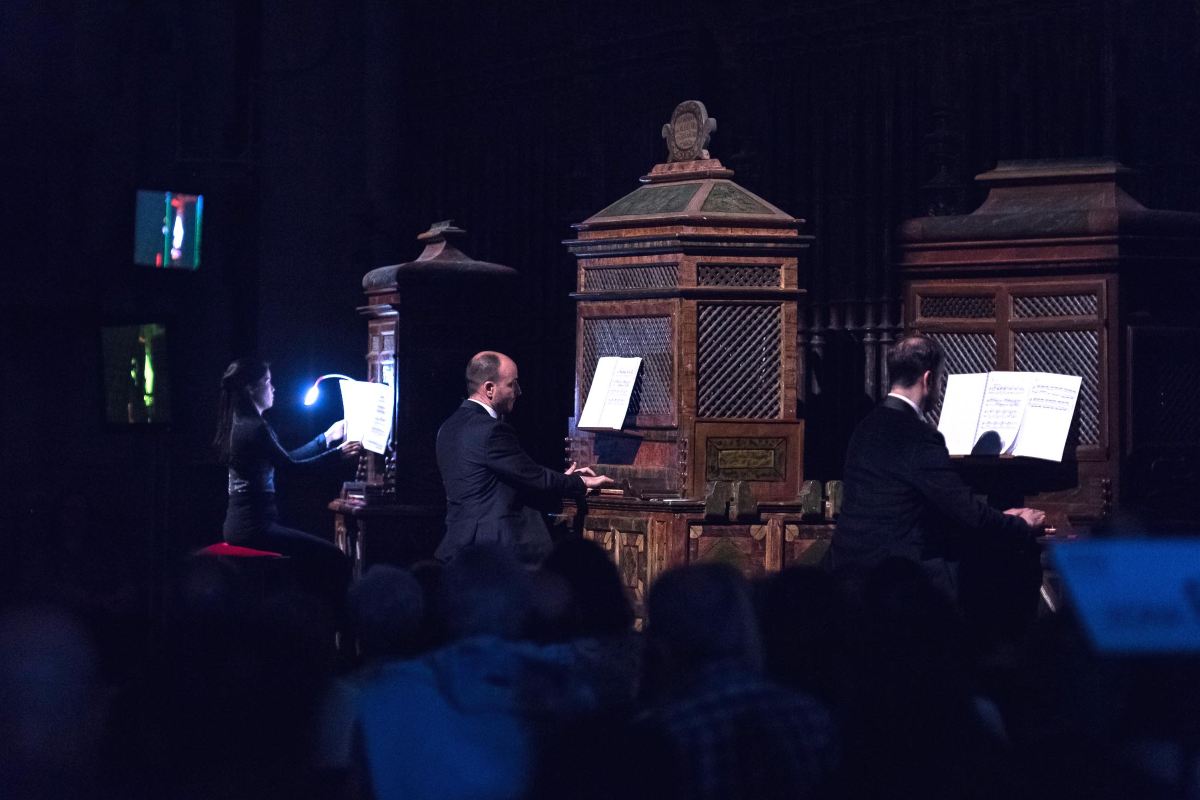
326 135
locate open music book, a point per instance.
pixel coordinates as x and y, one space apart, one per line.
608 398
368 408
1017 413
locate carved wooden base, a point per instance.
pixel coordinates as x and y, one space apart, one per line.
386 533
645 538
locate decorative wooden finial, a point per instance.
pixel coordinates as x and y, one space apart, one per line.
688 132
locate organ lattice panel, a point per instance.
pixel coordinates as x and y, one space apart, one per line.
1070 353
738 361
648 337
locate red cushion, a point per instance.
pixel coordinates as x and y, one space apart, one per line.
226 549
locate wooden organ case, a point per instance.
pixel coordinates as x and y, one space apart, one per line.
700 278
425 319
1060 270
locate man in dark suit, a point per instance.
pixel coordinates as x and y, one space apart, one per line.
489 479
902 495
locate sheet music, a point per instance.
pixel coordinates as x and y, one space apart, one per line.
1048 416
959 419
352 401
368 411
608 399
1003 407
1029 412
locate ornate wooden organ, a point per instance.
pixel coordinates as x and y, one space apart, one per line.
395 508
1061 270
701 279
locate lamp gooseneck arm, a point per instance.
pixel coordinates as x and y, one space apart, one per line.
310 396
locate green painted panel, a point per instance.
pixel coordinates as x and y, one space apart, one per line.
653 200
728 198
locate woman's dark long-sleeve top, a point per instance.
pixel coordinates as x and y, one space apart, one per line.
255 452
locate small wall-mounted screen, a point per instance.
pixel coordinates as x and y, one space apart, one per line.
136 374
167 229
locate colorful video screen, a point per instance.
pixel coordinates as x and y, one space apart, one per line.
167 229
136 374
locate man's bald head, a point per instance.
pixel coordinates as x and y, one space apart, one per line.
482 367
492 379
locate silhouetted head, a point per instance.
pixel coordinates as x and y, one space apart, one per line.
799 615
386 608
702 614
485 592
598 605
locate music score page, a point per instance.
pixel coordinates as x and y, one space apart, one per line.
1017 413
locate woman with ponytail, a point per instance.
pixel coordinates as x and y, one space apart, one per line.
249 447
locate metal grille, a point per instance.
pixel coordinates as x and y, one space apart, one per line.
654 276
1056 305
1172 419
1166 383
738 369
1068 353
966 353
648 337
958 306
738 275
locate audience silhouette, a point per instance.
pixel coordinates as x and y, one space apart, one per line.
485 678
